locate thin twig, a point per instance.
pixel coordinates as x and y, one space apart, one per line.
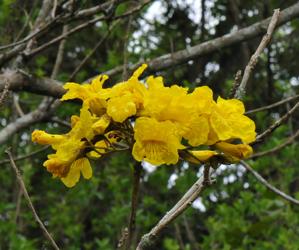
25 156
59 57
289 141
275 125
125 49
134 203
273 105
27 197
90 54
253 60
149 239
268 185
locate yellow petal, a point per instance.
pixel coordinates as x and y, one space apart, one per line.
198 131
230 106
73 175
86 169
220 125
74 120
139 71
97 82
238 151
242 127
100 125
41 137
120 108
199 156
74 91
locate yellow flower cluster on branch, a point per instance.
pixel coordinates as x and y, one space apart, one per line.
158 124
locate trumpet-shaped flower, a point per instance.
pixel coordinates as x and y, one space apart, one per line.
156 142
234 152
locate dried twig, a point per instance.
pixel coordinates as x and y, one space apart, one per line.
60 52
273 105
277 148
276 124
27 197
23 157
253 60
268 185
149 239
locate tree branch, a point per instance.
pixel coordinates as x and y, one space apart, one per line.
277 148
27 197
275 125
273 105
41 113
268 185
148 240
253 60
44 86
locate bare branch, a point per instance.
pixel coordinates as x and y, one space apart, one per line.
182 56
41 113
54 89
148 240
60 52
23 157
253 60
289 141
268 185
27 197
276 124
273 105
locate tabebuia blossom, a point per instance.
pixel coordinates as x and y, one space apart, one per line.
157 124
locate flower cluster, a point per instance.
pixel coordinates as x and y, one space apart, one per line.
159 124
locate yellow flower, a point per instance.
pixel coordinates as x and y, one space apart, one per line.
93 95
126 98
228 121
156 142
69 147
199 156
234 152
78 167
